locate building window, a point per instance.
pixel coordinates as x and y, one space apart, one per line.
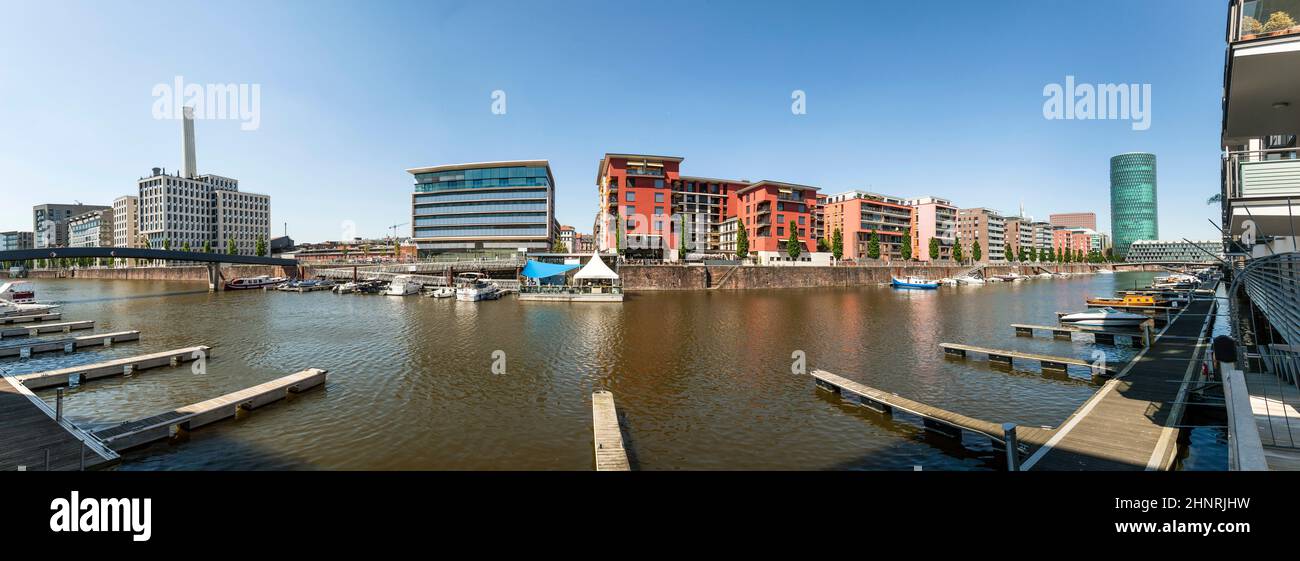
801 218
659 184
780 219
659 197
631 197
780 231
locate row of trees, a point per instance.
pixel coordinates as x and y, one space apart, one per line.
231 248
1023 254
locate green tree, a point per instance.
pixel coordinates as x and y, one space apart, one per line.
792 246
823 246
185 247
231 248
742 242
976 252
957 254
837 244
167 244
681 241
557 247
934 249
260 248
905 247
873 246
207 246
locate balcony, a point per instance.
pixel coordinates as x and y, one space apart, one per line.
1265 19
1263 70
1263 187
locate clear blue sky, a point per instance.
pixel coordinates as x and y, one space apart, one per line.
904 98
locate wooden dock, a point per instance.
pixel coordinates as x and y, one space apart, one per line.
1131 423
119 367
1103 336
9 320
1054 363
63 327
608 441
933 418
27 348
32 440
190 417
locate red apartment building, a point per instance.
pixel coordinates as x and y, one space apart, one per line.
770 210
859 214
647 206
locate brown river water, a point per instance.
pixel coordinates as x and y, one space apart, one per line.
703 379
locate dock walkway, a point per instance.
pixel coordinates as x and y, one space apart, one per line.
608 437
1131 422
29 435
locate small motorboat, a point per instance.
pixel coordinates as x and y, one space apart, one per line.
472 287
968 279
345 288
8 308
1105 317
18 292
913 282
444 292
1131 300
1105 272
1044 275
250 283
403 285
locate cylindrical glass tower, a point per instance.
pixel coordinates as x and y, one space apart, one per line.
1132 200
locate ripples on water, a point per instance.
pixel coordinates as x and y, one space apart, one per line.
703 379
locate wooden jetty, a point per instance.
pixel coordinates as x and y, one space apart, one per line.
64 327
935 419
29 348
1136 338
32 438
1131 423
608 441
190 417
9 320
119 367
1047 362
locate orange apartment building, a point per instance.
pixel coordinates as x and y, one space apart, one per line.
933 217
859 214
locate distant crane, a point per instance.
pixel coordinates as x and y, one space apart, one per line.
394 228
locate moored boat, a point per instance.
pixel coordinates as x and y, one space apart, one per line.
913 282
472 287
403 285
1105 317
249 283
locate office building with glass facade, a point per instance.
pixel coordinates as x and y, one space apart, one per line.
487 209
1132 200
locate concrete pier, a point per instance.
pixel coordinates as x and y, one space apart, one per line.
608 440
9 320
64 327
190 417
28 348
1056 363
120 367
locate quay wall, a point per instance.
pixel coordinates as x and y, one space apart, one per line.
673 277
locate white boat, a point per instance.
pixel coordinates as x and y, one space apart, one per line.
1044 275
948 281
472 287
345 288
1105 317
403 285
249 283
18 292
8 308
968 279
444 292
1105 272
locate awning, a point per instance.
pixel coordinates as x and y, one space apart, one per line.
539 270
596 269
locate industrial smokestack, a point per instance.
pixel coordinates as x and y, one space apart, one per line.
188 169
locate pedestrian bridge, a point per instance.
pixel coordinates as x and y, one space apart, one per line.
141 253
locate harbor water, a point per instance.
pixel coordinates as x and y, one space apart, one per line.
703 379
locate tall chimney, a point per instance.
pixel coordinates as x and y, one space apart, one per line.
188 169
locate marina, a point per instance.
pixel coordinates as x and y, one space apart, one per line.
425 393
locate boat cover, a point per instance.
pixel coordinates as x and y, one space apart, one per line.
539 270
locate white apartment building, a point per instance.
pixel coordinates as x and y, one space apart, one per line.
1174 251
194 210
91 229
126 221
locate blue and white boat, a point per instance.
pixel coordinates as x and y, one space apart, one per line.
913 282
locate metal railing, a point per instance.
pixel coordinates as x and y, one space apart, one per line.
1273 173
1273 370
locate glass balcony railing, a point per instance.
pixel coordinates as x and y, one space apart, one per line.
1264 174
1259 19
